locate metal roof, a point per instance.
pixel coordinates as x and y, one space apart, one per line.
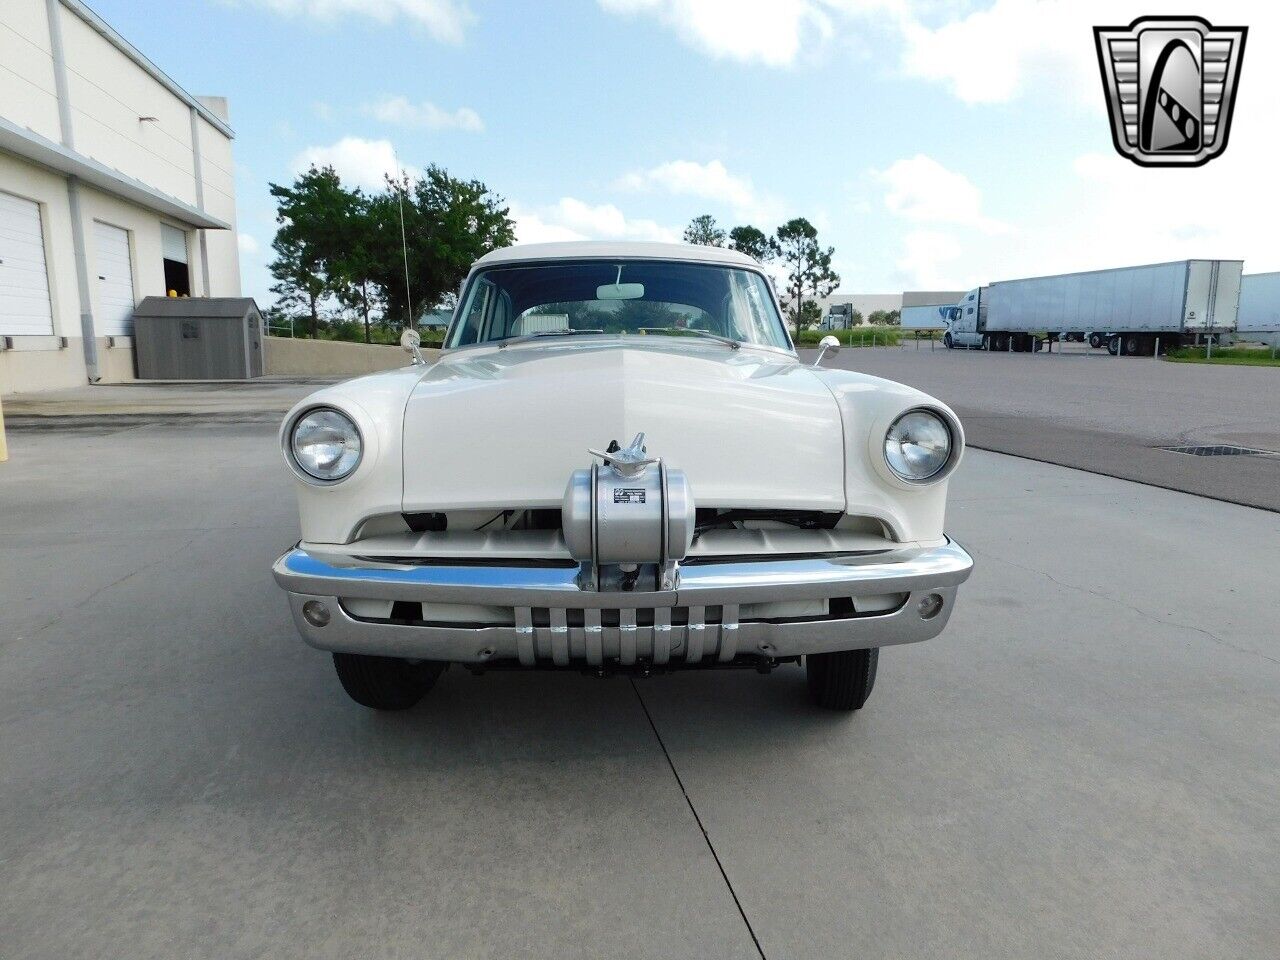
608 250
190 307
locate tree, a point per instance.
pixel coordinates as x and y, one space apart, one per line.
311 217
884 318
704 231
352 268
448 225
754 243
810 314
808 270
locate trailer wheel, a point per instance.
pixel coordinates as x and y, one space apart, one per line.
1133 345
1095 340
1002 342
1113 345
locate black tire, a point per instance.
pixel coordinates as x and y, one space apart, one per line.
842 680
385 683
1113 346
1133 345
1095 340
948 342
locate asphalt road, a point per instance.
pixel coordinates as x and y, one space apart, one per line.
1086 764
1084 408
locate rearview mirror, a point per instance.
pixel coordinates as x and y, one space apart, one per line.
410 340
620 291
827 344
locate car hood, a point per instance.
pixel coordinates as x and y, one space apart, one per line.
505 427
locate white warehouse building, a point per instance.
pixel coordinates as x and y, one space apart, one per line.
115 184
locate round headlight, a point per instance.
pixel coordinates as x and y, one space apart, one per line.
917 446
326 444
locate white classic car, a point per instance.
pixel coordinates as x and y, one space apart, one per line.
618 464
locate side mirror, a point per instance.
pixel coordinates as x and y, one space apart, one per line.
827 344
410 340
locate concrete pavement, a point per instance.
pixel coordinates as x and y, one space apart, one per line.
1085 764
238 401
1111 415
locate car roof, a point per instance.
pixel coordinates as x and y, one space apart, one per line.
604 250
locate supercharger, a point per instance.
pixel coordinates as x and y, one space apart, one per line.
630 512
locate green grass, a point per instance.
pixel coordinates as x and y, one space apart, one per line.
855 337
1239 356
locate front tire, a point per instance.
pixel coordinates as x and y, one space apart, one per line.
841 680
948 342
385 683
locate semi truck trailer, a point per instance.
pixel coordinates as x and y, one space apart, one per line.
928 309
1129 309
1259 317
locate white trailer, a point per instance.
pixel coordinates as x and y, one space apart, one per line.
928 309
926 316
1130 309
1259 307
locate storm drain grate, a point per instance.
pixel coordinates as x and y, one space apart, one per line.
1222 450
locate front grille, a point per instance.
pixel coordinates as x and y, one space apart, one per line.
659 635
693 634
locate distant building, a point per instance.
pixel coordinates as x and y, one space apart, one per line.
435 319
863 303
115 184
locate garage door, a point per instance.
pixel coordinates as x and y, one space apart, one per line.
115 281
24 280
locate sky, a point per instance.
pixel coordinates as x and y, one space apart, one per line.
935 145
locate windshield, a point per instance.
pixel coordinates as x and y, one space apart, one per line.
624 297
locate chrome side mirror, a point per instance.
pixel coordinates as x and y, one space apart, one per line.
410 340
827 344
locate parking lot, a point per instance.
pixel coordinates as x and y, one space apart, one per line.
1085 764
1112 415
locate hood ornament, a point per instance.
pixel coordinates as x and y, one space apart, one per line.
628 461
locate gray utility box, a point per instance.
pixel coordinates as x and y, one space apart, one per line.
197 338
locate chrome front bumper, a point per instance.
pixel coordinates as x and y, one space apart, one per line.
554 619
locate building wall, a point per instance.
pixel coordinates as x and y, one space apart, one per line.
28 91
108 94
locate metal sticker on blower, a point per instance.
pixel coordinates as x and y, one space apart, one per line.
628 494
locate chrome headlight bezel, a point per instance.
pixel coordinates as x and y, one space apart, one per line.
955 441
289 434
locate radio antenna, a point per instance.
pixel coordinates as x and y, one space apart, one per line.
404 245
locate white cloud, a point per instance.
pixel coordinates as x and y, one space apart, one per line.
708 181
922 190
400 111
990 55
443 20
248 245
929 261
573 219
772 32
360 163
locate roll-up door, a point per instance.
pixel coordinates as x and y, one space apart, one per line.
25 308
115 280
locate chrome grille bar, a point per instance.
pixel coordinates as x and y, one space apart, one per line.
559 636
524 636
728 632
594 636
627 637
